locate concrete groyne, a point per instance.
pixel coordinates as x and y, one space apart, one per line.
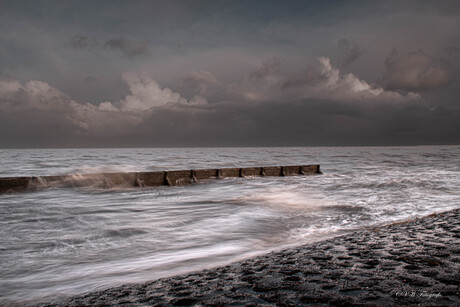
147 179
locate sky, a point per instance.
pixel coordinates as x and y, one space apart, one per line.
229 73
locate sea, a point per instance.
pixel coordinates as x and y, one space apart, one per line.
64 241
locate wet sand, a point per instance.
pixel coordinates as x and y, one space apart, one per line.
411 263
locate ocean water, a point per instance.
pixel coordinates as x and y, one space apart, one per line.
65 241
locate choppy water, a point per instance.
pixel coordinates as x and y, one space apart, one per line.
65 241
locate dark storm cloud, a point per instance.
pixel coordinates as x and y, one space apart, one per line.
126 47
152 115
350 51
451 50
90 80
417 71
268 69
309 76
261 110
201 82
451 56
82 42
181 73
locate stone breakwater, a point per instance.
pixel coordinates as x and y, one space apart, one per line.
147 179
410 263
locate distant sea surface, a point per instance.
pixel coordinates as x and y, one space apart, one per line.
65 241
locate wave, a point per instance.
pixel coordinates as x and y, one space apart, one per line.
391 184
89 181
286 198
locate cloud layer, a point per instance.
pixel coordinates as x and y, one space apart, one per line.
321 103
322 81
417 71
126 47
160 73
36 104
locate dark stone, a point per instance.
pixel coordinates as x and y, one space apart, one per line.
179 177
229 172
251 171
202 174
186 301
291 170
150 179
309 169
14 184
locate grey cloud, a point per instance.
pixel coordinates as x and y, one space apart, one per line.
126 47
90 80
223 101
82 42
38 106
308 77
350 51
416 71
451 50
310 122
53 107
323 81
201 81
151 115
268 70
451 55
